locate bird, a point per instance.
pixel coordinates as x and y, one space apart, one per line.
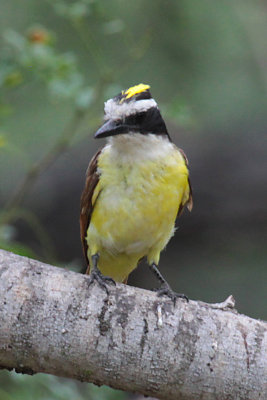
136 186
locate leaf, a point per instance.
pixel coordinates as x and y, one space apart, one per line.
84 98
3 141
65 88
74 11
114 26
13 79
15 39
5 110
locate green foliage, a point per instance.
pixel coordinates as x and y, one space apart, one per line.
47 387
3 140
77 10
8 242
34 56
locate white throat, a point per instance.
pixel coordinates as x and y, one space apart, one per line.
136 147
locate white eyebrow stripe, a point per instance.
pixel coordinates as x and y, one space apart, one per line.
114 111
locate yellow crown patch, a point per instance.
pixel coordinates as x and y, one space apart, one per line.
135 90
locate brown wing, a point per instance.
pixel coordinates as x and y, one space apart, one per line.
92 178
189 203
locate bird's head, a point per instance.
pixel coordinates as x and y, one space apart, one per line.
132 111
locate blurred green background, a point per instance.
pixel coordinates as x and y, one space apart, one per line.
206 64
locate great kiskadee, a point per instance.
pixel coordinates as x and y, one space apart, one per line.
136 186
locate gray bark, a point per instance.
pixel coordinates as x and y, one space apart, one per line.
52 322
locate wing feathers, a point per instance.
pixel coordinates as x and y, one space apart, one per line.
92 179
189 201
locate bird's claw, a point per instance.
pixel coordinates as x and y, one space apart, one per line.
102 280
165 290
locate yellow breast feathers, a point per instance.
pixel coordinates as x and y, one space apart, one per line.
135 202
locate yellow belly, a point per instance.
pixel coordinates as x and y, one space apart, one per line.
134 213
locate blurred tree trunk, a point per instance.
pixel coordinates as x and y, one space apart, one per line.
50 321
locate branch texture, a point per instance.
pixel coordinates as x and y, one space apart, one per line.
50 321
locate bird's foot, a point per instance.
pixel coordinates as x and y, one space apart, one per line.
102 280
165 290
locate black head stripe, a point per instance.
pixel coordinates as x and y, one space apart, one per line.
143 95
149 121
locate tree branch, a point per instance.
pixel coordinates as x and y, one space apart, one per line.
50 321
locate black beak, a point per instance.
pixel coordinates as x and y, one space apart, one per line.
111 128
